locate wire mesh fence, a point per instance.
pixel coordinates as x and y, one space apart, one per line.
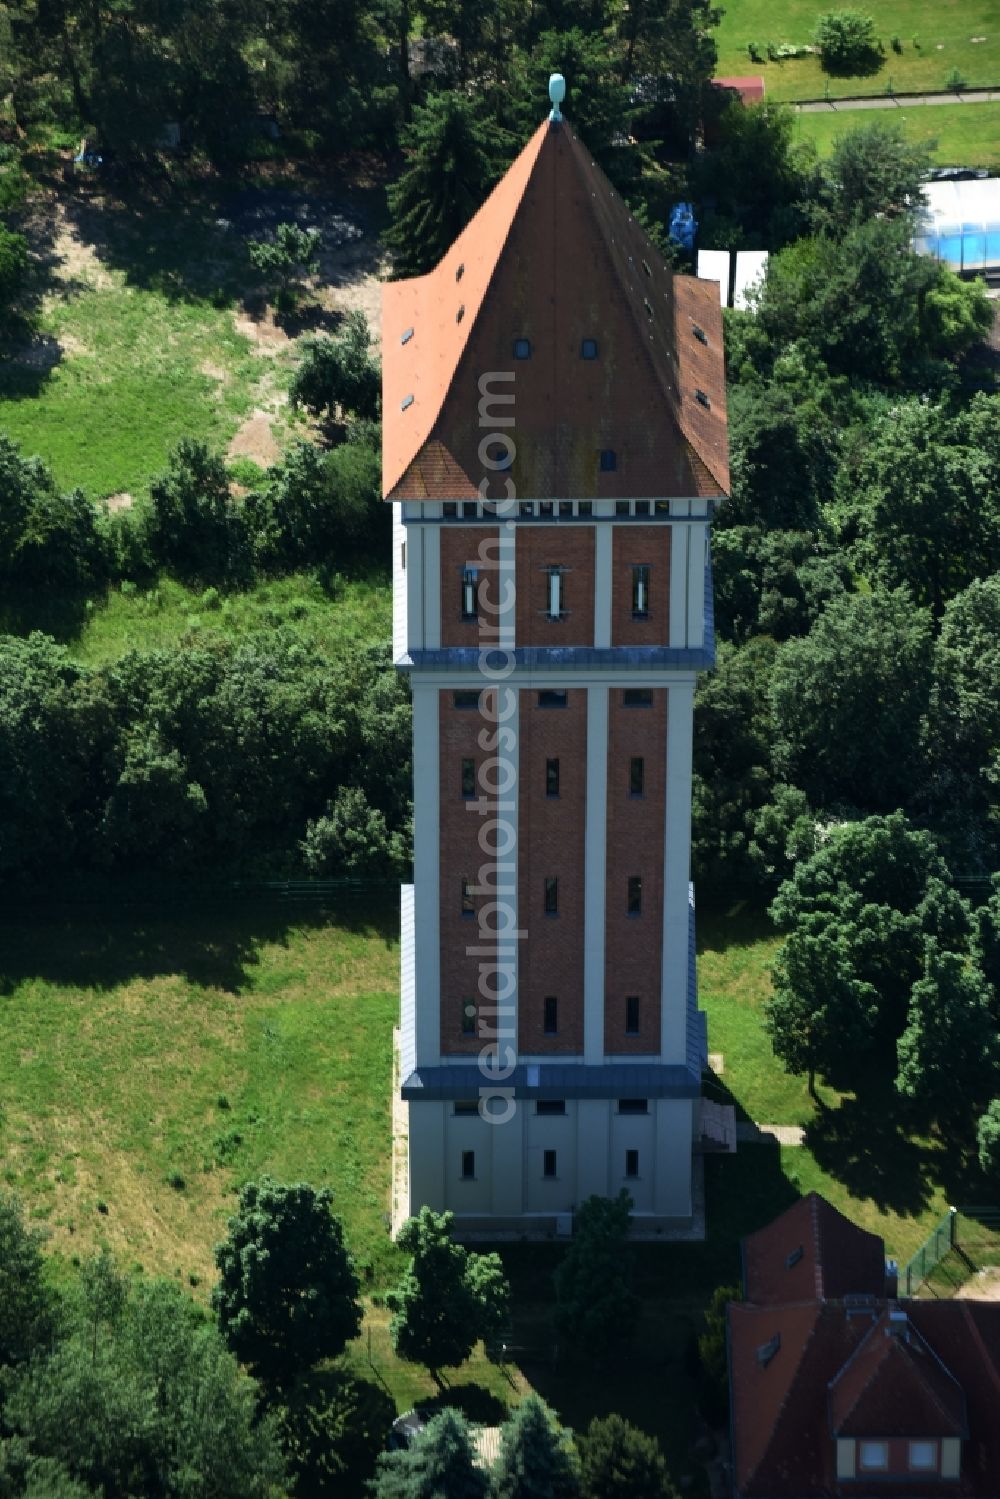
963 1245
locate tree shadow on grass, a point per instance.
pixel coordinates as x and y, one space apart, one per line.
187 239
866 1146
213 943
475 1401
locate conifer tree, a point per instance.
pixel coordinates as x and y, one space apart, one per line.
450 171
440 1464
537 1457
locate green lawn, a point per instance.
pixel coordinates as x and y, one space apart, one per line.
214 1044
154 1058
944 32
966 135
136 371
344 616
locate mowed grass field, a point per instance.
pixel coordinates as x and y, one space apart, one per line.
881 1179
966 135
153 1059
944 30
118 374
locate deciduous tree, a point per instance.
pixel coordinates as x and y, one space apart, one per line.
596 1308
447 1299
848 701
287 1295
949 1051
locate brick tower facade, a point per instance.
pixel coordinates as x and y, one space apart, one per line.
554 441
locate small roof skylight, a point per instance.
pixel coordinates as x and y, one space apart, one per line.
407 336
703 400
406 402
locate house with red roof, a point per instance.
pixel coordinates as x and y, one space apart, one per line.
838 1388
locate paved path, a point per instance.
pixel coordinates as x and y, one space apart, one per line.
765 1134
899 101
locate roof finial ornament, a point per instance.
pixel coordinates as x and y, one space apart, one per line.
557 93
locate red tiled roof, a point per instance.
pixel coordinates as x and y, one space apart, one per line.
554 256
835 1371
894 1385
837 1258
750 86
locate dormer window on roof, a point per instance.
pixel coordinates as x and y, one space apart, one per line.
700 333
588 348
703 400
766 1351
522 348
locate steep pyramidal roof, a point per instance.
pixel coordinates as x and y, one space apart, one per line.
554 257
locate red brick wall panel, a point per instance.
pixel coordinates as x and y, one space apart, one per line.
551 842
635 834
538 548
631 545
460 855
462 546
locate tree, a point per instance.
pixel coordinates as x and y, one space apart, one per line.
987 939
339 374
333 1427
772 583
155 1404
963 720
596 1308
821 1017
859 912
440 1461
27 1305
285 259
287 1295
193 529
733 778
25 1476
784 445
873 170
537 1457
621 1462
848 702
448 1298
988 1140
848 43
13 268
352 837
713 1355
869 307
923 506
450 169
949 1051
754 175
55 735
154 805
47 539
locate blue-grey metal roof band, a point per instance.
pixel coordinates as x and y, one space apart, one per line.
561 658
556 1080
